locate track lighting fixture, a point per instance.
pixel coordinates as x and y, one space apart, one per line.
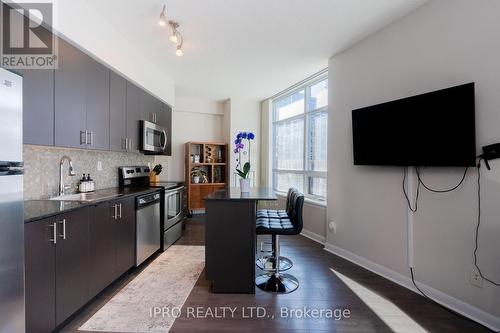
176 36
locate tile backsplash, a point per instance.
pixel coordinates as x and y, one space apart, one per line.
41 164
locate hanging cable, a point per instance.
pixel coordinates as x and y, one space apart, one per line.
417 170
478 225
405 171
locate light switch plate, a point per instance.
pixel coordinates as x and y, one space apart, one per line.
99 166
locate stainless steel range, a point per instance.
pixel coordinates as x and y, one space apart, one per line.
173 213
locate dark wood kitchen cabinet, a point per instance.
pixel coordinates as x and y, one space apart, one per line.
38 106
57 269
81 100
72 263
70 97
40 263
97 104
117 112
125 236
134 115
112 242
148 107
93 246
167 124
102 247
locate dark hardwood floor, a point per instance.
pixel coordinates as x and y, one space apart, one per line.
326 282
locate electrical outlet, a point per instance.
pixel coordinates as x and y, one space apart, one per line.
99 166
475 278
333 227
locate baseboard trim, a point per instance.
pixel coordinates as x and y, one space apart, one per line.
467 310
313 236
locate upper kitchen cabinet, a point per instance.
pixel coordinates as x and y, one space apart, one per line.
81 100
166 122
97 105
70 97
38 106
148 106
118 140
134 115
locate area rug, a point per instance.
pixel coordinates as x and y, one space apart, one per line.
163 286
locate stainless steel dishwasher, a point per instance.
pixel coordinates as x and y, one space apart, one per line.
148 216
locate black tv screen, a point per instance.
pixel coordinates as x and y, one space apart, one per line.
433 129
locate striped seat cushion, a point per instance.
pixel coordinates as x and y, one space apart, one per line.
277 220
268 213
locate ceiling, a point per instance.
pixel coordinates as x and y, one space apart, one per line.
247 48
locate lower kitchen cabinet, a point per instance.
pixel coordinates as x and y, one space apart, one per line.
125 236
112 242
72 263
40 283
72 257
102 247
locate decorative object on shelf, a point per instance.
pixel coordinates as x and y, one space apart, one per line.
154 175
242 152
208 154
219 156
176 36
198 174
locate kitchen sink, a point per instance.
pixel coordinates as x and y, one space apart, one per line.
88 197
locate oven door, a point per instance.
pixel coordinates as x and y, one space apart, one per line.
154 137
173 206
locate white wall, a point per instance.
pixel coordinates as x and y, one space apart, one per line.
83 25
444 43
243 115
193 119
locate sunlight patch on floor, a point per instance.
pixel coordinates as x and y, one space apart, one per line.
396 319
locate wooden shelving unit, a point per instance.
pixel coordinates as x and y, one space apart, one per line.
213 161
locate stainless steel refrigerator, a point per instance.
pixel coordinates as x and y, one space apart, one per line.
11 204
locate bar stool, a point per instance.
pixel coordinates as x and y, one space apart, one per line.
266 263
291 224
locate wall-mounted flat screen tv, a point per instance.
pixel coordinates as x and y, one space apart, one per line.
432 129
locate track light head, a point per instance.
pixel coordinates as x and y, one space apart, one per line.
179 51
174 38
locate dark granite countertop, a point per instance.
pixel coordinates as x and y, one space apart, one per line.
38 209
234 194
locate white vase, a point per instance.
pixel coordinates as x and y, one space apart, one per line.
245 185
196 179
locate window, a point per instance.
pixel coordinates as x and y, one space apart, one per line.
300 121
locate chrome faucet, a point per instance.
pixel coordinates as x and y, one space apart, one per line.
71 172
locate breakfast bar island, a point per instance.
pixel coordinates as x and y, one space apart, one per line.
230 238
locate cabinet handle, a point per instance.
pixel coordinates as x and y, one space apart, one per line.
115 212
120 216
155 116
83 137
54 233
91 134
129 144
63 222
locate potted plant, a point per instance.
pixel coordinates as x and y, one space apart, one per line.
197 174
242 151
154 175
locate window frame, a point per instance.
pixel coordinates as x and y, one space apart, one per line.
306 115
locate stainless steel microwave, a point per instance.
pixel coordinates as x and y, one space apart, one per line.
153 137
